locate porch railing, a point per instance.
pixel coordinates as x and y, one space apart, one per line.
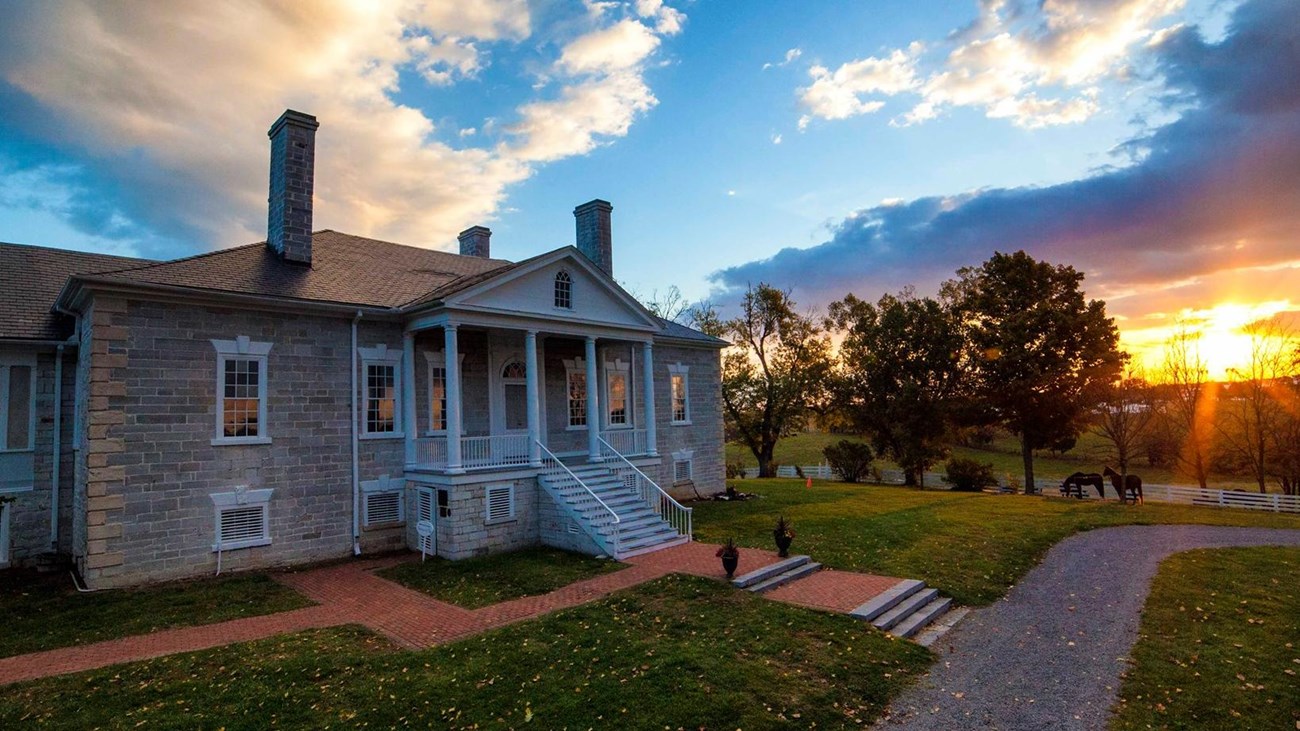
497 450
625 441
673 512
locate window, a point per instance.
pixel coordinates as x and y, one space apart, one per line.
514 388
683 465
383 501
564 290
678 378
444 503
241 391
381 414
242 519
576 378
500 500
616 393
438 390
17 406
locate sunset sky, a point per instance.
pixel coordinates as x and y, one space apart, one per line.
828 147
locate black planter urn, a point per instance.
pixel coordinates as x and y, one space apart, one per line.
729 564
783 543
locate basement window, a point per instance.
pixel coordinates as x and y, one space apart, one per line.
242 519
383 504
500 500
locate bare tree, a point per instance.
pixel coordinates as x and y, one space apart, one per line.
1254 412
1125 417
670 304
1190 402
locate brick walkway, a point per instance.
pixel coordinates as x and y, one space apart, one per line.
350 593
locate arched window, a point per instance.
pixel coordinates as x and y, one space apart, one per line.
514 370
563 290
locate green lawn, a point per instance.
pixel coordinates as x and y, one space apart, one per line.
1219 645
45 612
478 582
680 652
971 546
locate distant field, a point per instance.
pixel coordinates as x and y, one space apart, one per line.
1003 454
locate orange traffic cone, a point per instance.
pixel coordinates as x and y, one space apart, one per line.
807 482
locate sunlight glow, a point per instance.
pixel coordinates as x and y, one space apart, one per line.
1222 334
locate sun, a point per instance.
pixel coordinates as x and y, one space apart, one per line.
1221 334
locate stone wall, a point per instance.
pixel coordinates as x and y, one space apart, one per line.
467 532
703 437
151 464
556 529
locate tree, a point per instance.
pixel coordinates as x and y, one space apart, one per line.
1255 414
1189 403
1038 355
1126 417
670 305
775 372
898 376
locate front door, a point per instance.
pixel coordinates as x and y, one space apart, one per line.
510 409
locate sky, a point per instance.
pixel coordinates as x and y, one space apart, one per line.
826 147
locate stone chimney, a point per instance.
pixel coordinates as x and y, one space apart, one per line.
476 241
293 157
594 237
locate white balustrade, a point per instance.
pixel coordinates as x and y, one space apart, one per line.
626 441
498 450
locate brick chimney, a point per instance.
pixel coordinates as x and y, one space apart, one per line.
476 241
594 236
293 157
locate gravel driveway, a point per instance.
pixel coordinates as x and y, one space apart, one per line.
1049 654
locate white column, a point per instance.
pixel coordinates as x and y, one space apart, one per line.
451 354
593 404
648 392
534 408
409 424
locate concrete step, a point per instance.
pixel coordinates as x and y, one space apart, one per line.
940 626
793 574
668 543
905 608
887 600
744 581
922 617
633 544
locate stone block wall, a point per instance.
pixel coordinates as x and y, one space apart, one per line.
558 530
151 467
466 532
29 521
704 435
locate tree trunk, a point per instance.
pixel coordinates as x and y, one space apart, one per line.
766 463
1027 454
909 478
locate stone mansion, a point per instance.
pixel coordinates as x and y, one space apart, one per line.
322 395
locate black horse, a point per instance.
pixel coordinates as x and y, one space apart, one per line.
1075 483
1129 487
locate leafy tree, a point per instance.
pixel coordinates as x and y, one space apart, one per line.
775 372
898 376
850 460
1038 355
1125 418
1256 414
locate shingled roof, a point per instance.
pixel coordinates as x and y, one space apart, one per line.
30 280
345 269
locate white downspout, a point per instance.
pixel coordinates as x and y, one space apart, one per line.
356 474
58 449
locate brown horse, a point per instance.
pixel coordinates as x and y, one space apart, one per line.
1131 485
1075 483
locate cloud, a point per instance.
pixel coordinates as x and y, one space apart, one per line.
1034 67
1209 209
165 108
789 58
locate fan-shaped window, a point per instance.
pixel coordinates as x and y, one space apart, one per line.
514 370
564 290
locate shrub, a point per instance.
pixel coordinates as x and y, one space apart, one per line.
850 460
735 470
967 475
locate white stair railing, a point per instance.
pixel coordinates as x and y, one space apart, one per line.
553 469
676 514
625 441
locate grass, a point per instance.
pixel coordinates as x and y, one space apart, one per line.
1219 645
971 546
1003 454
680 652
479 582
45 612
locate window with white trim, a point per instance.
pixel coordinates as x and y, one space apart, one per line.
500 502
563 290
381 414
242 519
17 405
679 392
683 466
619 412
575 378
437 363
383 504
241 391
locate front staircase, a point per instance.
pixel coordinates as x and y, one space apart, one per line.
620 508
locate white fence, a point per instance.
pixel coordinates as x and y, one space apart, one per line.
1222 498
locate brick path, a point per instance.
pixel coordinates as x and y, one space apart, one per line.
350 593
